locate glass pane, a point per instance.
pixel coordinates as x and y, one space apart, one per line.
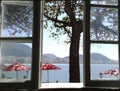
105 2
104 24
104 62
15 64
17 20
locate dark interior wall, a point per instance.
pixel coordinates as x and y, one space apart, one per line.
65 89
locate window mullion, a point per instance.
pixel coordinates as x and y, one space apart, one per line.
86 54
119 35
106 42
88 81
17 43
103 6
16 39
36 44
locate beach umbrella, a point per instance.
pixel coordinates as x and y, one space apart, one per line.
48 66
17 66
112 72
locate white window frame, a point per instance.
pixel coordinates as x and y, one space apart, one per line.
87 80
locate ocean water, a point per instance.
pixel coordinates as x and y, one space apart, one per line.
62 75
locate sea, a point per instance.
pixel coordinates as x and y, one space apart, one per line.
62 75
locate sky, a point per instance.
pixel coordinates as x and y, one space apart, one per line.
50 45
109 50
60 49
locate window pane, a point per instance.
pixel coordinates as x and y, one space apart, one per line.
19 56
104 24
104 62
105 2
17 20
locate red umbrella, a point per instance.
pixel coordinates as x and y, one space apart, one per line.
16 67
48 66
114 72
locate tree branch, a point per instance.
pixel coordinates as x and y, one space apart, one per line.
68 33
69 10
63 25
108 29
57 21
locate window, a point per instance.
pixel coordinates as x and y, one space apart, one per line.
19 44
56 41
102 39
101 36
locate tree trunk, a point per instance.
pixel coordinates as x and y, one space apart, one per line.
74 69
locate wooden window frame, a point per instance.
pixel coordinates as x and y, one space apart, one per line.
33 83
87 77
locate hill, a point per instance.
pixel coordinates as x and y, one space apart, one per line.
15 49
22 50
51 58
96 58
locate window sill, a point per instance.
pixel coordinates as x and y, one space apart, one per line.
60 85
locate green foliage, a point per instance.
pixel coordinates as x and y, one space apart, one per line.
66 19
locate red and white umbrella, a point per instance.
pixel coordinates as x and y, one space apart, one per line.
48 66
17 66
114 72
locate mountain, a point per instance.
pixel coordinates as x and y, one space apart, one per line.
99 58
16 49
96 58
51 58
22 50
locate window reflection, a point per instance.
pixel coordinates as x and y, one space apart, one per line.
17 21
15 61
104 24
104 62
